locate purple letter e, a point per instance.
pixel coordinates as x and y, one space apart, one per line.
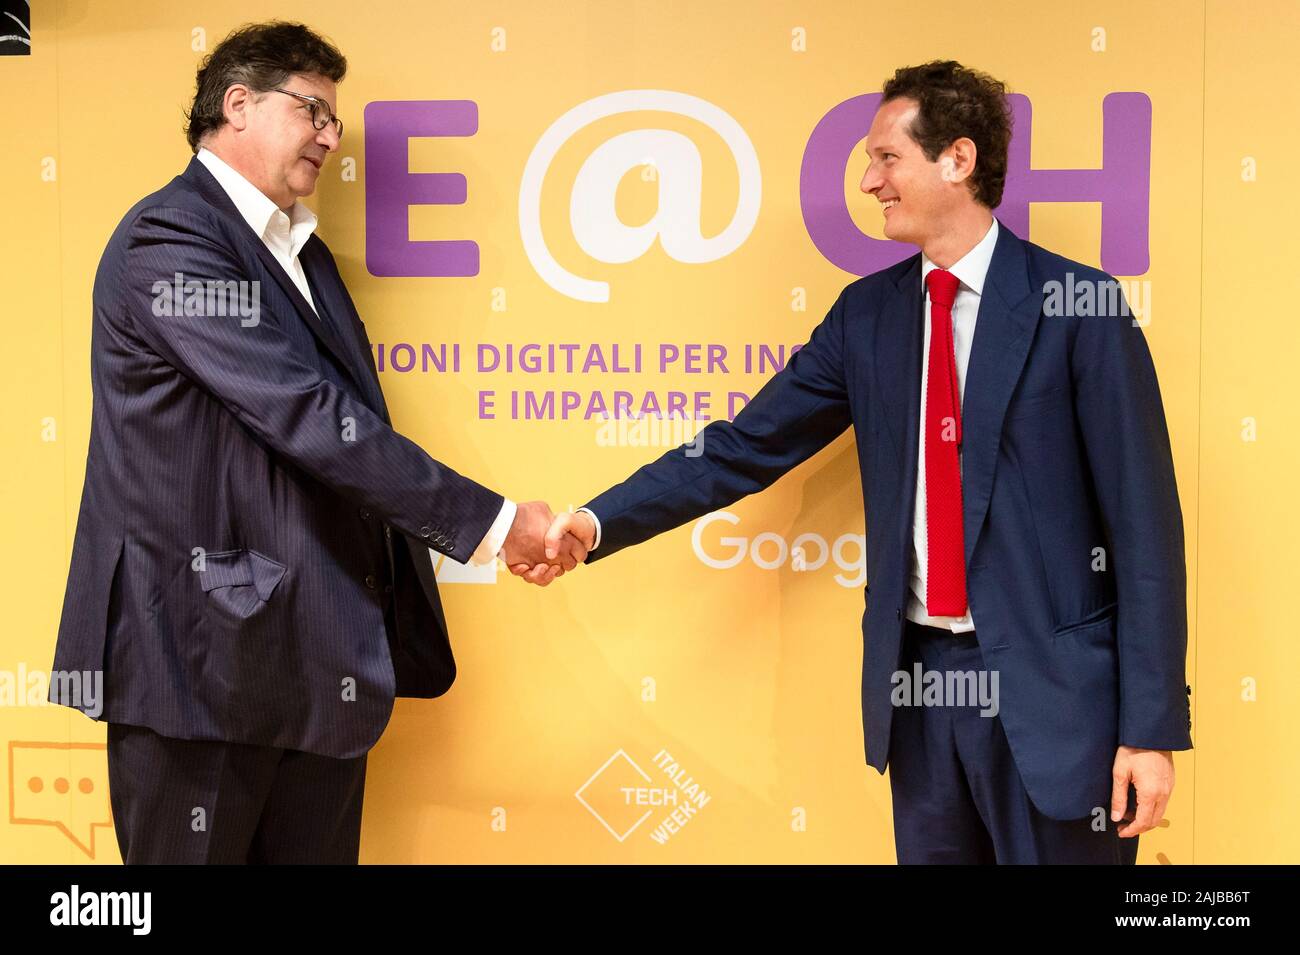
391 189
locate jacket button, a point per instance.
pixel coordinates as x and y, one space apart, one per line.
371 582
898 613
425 530
365 514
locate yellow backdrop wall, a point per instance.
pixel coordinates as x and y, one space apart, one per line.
747 676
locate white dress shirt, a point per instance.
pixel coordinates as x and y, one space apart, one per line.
284 234
971 270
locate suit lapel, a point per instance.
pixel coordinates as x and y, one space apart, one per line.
1004 328
898 353
898 369
199 177
336 307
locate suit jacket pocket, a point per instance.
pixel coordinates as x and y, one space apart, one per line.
1033 405
1099 616
240 582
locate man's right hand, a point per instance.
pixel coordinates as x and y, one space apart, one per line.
577 525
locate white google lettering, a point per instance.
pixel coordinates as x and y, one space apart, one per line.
769 551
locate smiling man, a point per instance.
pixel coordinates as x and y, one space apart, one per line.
1023 524
252 568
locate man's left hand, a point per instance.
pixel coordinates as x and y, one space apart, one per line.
1151 771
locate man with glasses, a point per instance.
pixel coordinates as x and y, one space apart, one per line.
252 563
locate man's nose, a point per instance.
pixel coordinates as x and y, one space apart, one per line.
871 181
329 137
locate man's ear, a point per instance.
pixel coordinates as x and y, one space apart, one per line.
960 163
234 105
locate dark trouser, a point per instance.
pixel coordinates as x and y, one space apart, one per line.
958 797
200 801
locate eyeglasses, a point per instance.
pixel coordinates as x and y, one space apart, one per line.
321 114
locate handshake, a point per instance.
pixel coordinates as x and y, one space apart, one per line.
541 546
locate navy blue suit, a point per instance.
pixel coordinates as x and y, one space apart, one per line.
1065 450
251 558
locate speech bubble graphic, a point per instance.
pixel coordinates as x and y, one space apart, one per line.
64 785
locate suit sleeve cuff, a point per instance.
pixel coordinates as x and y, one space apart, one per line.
595 520
489 549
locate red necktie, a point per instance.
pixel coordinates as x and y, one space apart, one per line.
945 585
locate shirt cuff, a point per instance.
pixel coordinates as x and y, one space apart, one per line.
490 548
595 520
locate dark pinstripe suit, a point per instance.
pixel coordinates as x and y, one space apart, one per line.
251 558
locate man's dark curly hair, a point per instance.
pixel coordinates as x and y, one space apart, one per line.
955 102
261 56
